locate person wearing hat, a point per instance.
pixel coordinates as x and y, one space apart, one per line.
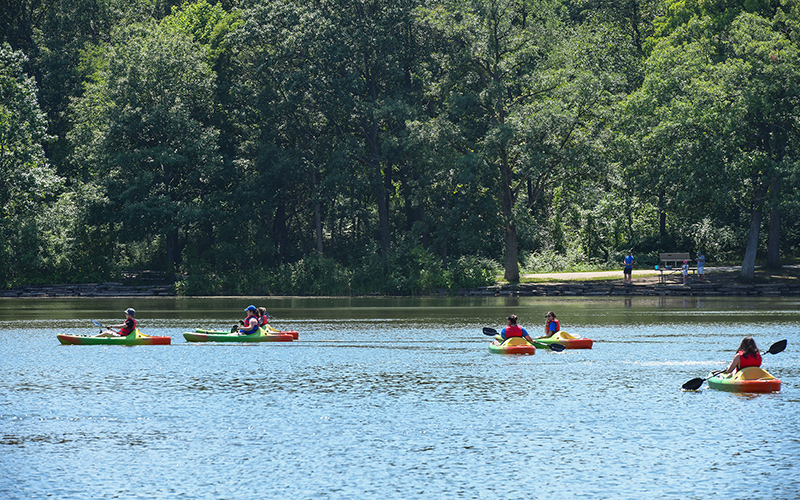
685 269
125 328
701 262
250 323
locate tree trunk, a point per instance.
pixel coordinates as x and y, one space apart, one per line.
383 208
774 236
749 262
317 212
507 200
172 253
281 232
512 258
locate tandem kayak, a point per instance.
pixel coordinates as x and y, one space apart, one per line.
222 336
514 345
135 338
567 340
750 379
267 330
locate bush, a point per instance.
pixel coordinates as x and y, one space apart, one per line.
312 275
473 271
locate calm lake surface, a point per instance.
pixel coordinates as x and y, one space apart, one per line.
396 398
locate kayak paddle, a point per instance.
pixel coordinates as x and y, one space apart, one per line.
695 383
540 345
101 325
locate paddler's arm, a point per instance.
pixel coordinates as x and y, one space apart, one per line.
734 364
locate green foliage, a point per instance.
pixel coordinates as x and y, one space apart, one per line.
312 275
471 272
394 148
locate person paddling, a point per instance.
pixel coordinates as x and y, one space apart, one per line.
551 326
250 323
125 328
746 355
513 330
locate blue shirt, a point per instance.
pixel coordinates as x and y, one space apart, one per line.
629 261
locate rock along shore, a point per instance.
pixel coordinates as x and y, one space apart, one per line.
716 284
106 289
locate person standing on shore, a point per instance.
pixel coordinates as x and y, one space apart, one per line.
685 271
627 271
701 262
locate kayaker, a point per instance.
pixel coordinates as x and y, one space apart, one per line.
250 323
125 328
746 355
513 330
263 317
551 326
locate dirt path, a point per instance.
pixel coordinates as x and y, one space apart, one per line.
645 274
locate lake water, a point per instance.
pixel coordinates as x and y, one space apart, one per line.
396 399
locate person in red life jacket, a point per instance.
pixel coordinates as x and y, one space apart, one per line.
125 328
746 355
551 326
250 323
512 330
263 317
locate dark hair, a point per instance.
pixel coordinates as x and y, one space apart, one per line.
513 319
748 347
551 313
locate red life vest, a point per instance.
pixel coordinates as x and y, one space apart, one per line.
558 326
513 331
125 330
263 320
752 360
246 328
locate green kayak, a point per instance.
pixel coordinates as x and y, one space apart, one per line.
221 336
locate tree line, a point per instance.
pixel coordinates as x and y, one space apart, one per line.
398 147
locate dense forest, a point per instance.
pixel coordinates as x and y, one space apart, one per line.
394 147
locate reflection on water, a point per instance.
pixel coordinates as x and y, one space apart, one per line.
395 398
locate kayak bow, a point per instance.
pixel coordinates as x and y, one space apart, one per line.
750 379
513 345
567 340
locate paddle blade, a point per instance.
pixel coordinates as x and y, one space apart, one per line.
97 323
777 347
693 384
557 347
489 331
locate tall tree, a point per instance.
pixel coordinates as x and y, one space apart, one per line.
518 100
716 112
142 126
26 178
